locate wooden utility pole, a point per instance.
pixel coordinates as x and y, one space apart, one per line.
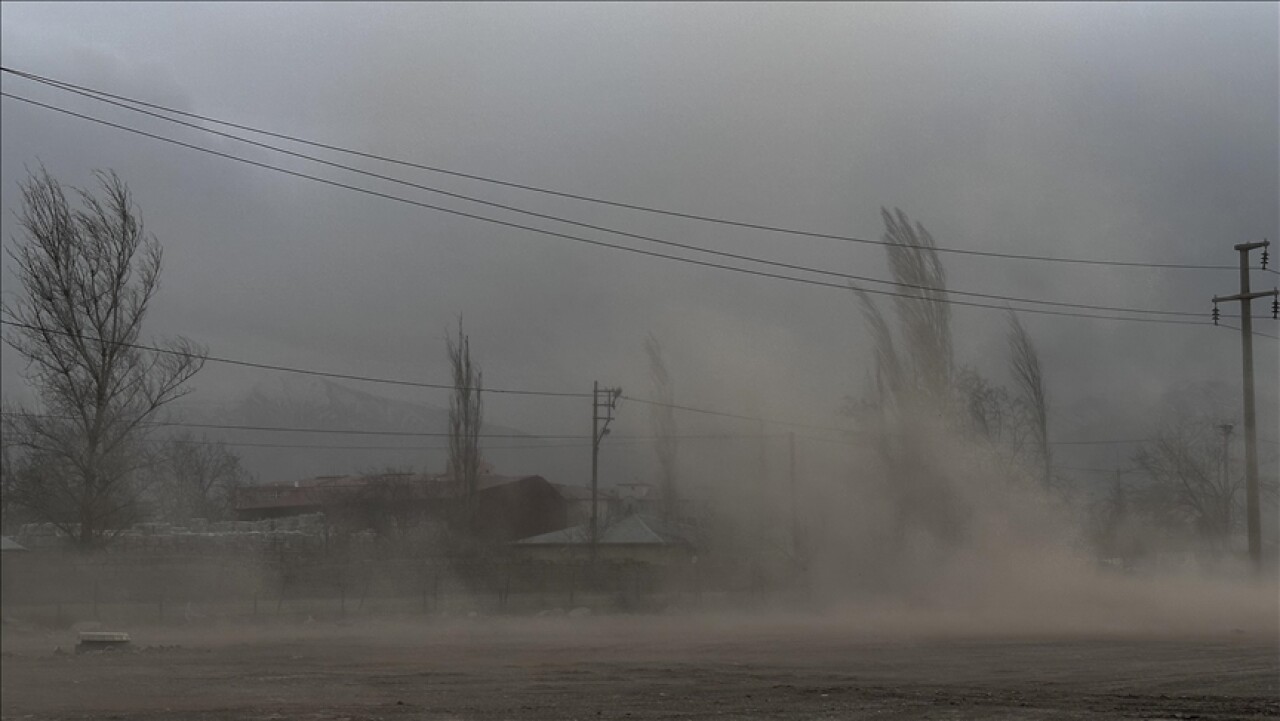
603 401
1253 514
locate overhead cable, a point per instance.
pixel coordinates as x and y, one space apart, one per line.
589 241
291 369
627 234
597 200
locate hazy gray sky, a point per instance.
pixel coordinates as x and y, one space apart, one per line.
1128 132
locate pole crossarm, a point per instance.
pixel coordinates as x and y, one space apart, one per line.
1246 247
1247 296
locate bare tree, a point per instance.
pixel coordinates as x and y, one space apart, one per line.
1028 378
12 514
1187 484
6 479
195 478
394 503
466 414
88 275
662 420
1116 531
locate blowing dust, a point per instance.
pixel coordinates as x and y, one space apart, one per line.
927 531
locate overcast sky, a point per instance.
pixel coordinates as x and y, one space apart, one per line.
1129 132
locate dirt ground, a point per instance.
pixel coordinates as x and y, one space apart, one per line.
635 667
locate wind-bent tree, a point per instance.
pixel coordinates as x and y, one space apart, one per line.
918 366
466 414
1028 378
915 382
662 420
921 393
88 273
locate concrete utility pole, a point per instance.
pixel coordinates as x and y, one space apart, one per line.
1252 513
603 401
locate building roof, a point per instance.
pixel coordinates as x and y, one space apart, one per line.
634 530
8 544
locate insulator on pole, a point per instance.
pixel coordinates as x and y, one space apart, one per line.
1215 313
1275 306
1265 256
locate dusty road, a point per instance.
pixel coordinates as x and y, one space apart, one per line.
638 668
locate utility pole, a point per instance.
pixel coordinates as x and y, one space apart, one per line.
1252 512
603 401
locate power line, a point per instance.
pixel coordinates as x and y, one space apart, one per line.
538 230
380 448
601 201
415 434
637 236
839 441
634 399
412 434
1093 470
1127 441
303 429
321 446
844 431
588 241
539 446
350 431
1254 332
486 447
723 414
289 369
1103 442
